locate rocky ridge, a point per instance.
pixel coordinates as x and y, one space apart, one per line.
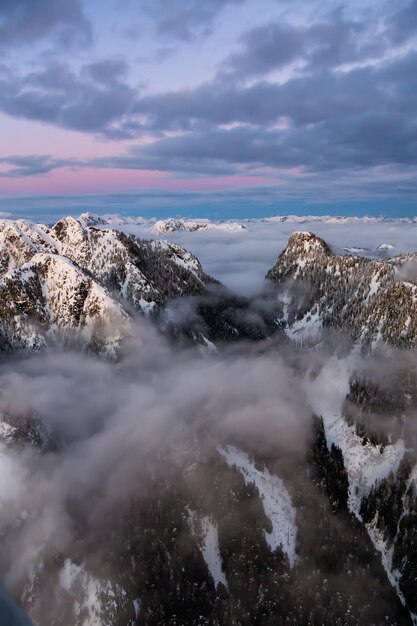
371 300
374 302
76 284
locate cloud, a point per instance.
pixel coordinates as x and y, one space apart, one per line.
24 21
348 107
325 44
323 102
240 260
407 271
304 100
106 70
343 121
33 165
402 26
132 417
91 100
183 20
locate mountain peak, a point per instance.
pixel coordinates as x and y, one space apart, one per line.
371 300
306 244
303 248
91 219
69 227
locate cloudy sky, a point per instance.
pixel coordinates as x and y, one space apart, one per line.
222 108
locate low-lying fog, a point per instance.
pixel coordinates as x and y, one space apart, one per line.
240 259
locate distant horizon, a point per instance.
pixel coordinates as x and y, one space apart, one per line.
49 208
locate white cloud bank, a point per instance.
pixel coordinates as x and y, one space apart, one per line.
241 258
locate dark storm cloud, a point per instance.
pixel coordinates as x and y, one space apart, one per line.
26 21
184 19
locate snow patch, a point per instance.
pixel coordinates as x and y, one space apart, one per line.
211 551
276 501
306 328
366 465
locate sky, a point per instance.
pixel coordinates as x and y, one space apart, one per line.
221 108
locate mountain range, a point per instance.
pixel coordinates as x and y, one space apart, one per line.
237 518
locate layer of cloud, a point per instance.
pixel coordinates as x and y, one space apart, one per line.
313 99
361 118
90 100
324 44
241 259
131 416
183 20
26 21
22 166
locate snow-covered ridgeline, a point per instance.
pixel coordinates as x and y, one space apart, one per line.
77 285
171 225
386 559
275 498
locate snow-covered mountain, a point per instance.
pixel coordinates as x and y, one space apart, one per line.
171 225
334 219
79 285
91 219
371 423
161 227
76 284
265 481
371 300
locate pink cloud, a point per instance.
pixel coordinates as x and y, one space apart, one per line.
94 180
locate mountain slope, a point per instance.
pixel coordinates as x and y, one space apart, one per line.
217 517
371 426
50 299
75 284
370 300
